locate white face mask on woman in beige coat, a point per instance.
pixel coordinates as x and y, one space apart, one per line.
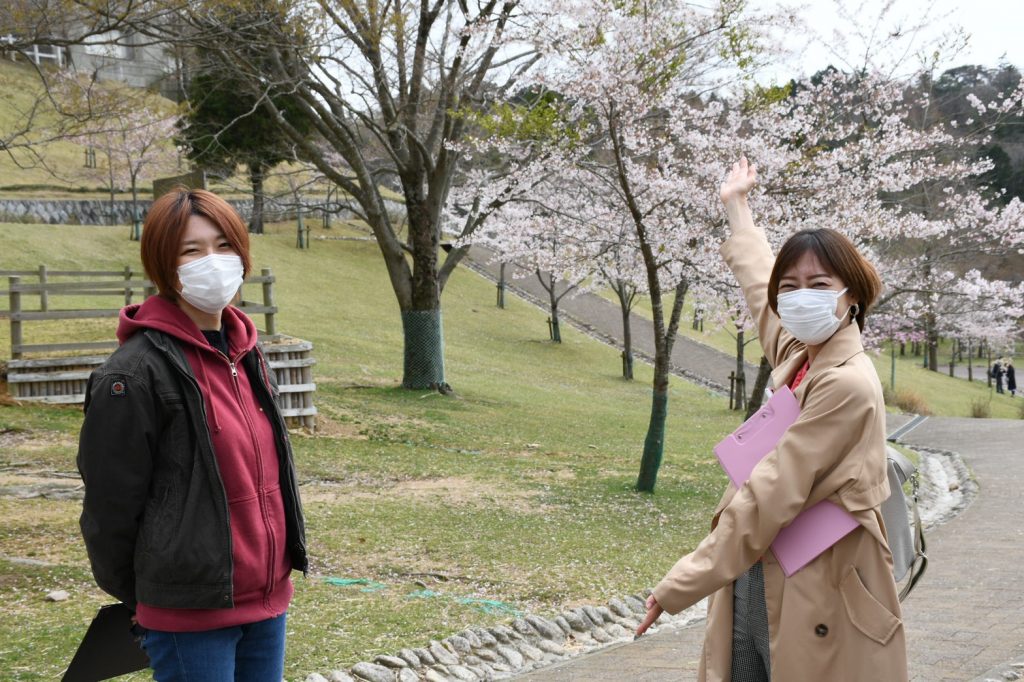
838 618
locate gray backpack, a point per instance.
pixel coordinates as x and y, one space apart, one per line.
906 543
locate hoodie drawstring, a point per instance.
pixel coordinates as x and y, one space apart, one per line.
200 365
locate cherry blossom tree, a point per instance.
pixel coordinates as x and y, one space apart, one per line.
541 239
623 69
619 267
904 183
135 133
851 151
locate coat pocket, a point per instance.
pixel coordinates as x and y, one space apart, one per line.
865 612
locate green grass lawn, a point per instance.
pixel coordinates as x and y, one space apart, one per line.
519 490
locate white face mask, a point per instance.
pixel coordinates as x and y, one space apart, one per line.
209 283
810 314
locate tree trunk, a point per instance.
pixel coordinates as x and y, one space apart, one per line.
741 375
625 306
892 368
556 334
970 360
501 287
424 350
422 322
110 170
136 228
654 443
301 232
256 173
764 372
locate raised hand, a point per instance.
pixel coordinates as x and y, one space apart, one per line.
739 182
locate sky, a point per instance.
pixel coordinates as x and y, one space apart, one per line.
994 31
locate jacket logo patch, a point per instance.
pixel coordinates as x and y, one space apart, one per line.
118 388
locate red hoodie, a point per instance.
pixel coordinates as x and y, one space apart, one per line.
247 458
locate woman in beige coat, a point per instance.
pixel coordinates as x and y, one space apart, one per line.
838 618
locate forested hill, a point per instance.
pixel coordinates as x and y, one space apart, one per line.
954 93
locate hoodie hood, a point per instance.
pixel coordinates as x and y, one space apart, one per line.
163 315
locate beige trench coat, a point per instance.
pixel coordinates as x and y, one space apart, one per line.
838 618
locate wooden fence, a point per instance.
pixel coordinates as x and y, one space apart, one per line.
63 379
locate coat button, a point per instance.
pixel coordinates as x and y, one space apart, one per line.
821 630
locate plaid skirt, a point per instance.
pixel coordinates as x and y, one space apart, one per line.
751 657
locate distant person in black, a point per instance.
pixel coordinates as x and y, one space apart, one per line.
997 373
1011 378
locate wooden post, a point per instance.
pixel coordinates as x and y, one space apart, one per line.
268 300
44 296
14 297
127 290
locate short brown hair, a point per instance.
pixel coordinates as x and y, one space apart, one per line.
839 256
165 226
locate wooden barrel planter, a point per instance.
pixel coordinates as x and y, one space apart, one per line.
52 380
63 380
292 363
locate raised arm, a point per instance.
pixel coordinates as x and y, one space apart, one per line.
748 255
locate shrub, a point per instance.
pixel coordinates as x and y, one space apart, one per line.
981 408
907 400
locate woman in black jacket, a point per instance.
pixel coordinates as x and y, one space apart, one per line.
191 514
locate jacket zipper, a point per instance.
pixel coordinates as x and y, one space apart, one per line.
260 482
263 372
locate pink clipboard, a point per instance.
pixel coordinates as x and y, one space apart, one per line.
815 529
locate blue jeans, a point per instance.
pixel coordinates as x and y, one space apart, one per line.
252 652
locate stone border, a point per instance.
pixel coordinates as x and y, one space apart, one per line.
503 651
947 485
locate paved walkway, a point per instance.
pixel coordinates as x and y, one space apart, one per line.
965 618
602 318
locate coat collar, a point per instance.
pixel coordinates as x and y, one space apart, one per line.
842 346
